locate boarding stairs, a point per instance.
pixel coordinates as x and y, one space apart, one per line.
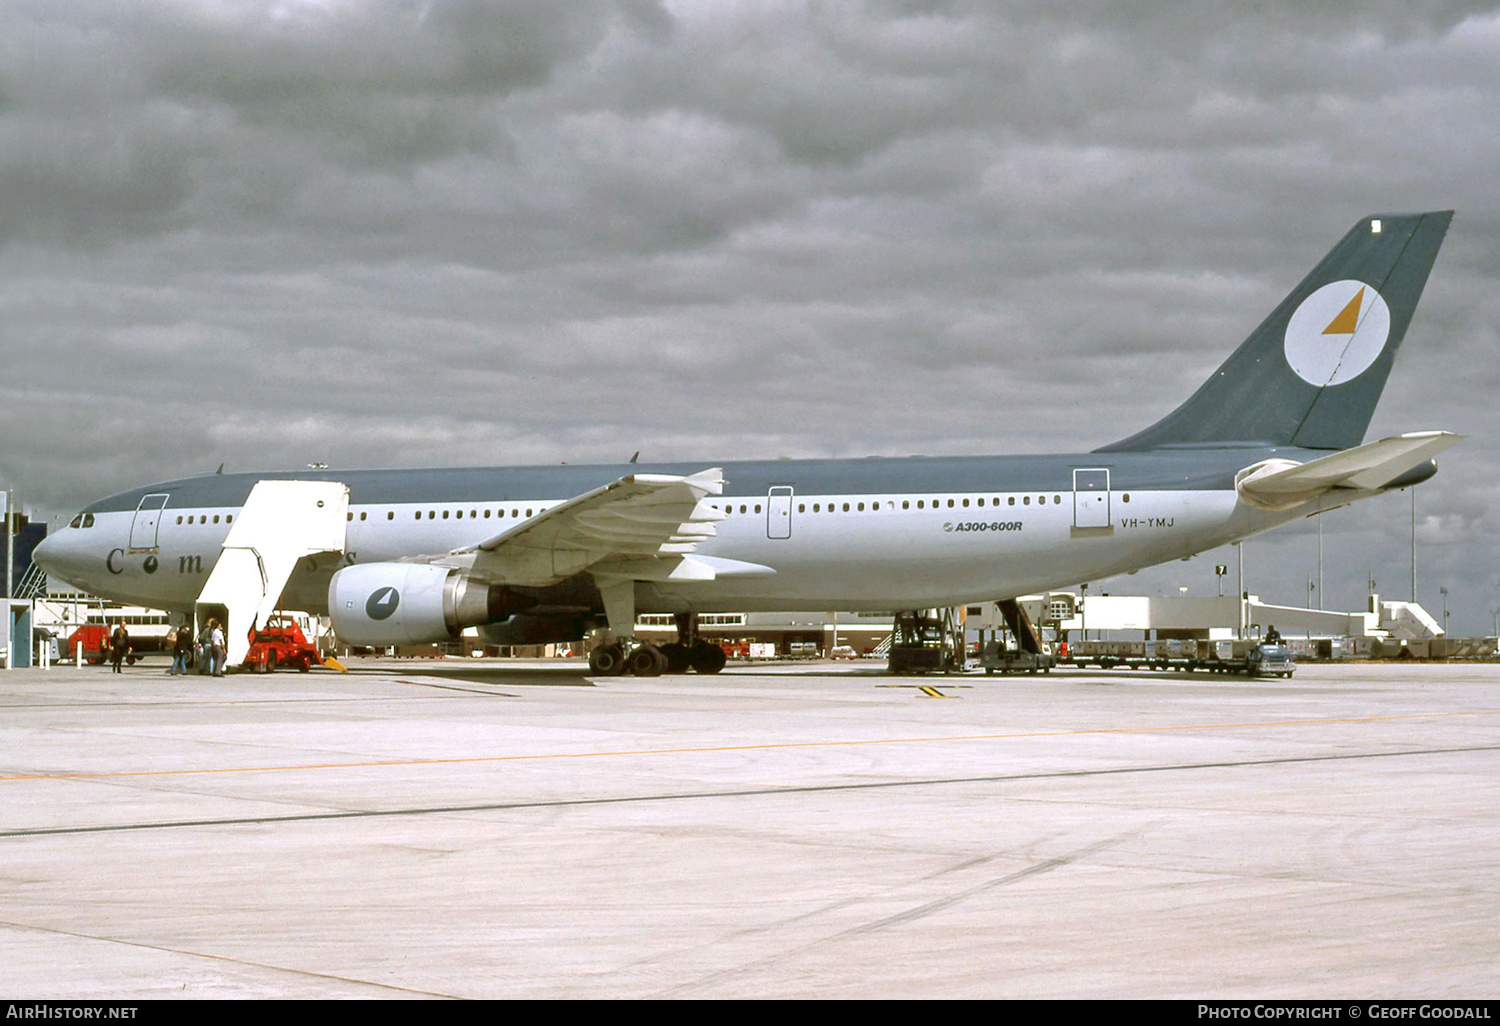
280 523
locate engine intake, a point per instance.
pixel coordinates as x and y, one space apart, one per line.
413 603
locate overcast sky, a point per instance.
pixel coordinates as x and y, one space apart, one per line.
450 233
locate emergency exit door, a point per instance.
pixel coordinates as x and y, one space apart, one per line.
1091 497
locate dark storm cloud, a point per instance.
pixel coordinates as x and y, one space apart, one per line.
397 233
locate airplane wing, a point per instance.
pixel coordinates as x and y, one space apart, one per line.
1280 484
642 526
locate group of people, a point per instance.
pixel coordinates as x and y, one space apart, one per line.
207 649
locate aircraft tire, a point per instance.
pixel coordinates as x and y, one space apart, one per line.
645 661
607 660
708 658
679 657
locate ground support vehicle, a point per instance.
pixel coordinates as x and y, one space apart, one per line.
1241 655
95 640
281 643
997 657
926 643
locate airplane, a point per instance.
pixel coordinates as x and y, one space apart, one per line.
531 555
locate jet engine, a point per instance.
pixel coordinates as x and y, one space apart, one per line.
413 603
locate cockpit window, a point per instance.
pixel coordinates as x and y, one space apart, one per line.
88 520
77 521
82 520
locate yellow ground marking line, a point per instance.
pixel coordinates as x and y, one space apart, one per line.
704 750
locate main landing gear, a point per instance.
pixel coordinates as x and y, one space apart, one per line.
642 659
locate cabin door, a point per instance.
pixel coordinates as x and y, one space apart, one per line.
147 518
779 512
1091 497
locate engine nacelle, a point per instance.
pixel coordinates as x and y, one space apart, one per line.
412 603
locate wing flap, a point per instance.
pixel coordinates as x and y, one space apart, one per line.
651 521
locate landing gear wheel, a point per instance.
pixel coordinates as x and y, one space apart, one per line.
708 657
679 657
607 660
646 661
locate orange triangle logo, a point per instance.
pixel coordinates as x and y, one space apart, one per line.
1348 318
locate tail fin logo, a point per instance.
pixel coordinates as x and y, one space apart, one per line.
1337 332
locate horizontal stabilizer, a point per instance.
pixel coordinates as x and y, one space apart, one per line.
1280 484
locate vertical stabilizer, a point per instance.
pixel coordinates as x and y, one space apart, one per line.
1311 374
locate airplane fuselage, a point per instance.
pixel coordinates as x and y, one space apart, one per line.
860 534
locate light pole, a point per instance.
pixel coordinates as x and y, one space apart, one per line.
1444 592
1239 627
1413 545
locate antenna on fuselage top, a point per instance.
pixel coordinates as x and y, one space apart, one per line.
220 470
636 456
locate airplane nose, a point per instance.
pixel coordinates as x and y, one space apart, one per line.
45 553
59 555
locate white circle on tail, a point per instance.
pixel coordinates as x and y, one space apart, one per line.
1337 332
